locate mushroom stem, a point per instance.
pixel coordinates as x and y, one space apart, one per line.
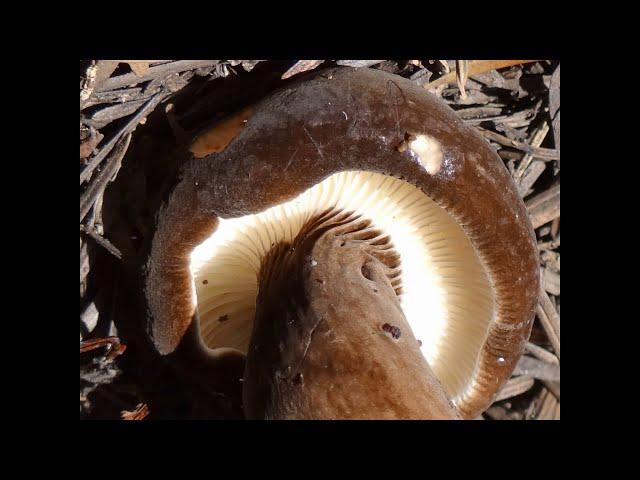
330 340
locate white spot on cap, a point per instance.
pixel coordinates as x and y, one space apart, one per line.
428 152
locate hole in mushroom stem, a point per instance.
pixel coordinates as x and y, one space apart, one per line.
393 330
366 272
444 290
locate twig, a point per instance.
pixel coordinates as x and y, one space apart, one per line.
483 114
130 79
89 83
545 206
541 353
550 310
462 73
97 74
104 177
549 245
89 144
475 67
554 105
358 63
515 386
114 346
84 267
551 281
301 66
117 96
549 329
536 140
129 127
548 407
531 175
535 368
537 152
139 413
103 242
553 387
108 114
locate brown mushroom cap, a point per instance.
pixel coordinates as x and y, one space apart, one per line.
408 154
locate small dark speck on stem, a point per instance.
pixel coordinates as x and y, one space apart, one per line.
394 331
298 379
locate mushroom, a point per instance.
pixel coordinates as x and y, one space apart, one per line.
353 251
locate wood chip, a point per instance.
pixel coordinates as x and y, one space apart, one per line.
555 227
551 281
550 309
139 413
550 326
106 115
551 260
444 65
553 387
475 67
358 63
550 245
104 177
462 73
539 369
129 127
421 77
139 67
533 172
113 344
476 112
545 206
547 410
116 96
130 79
87 146
301 66
554 105
515 386
100 240
537 138
541 353
89 317
537 152
84 267
97 74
